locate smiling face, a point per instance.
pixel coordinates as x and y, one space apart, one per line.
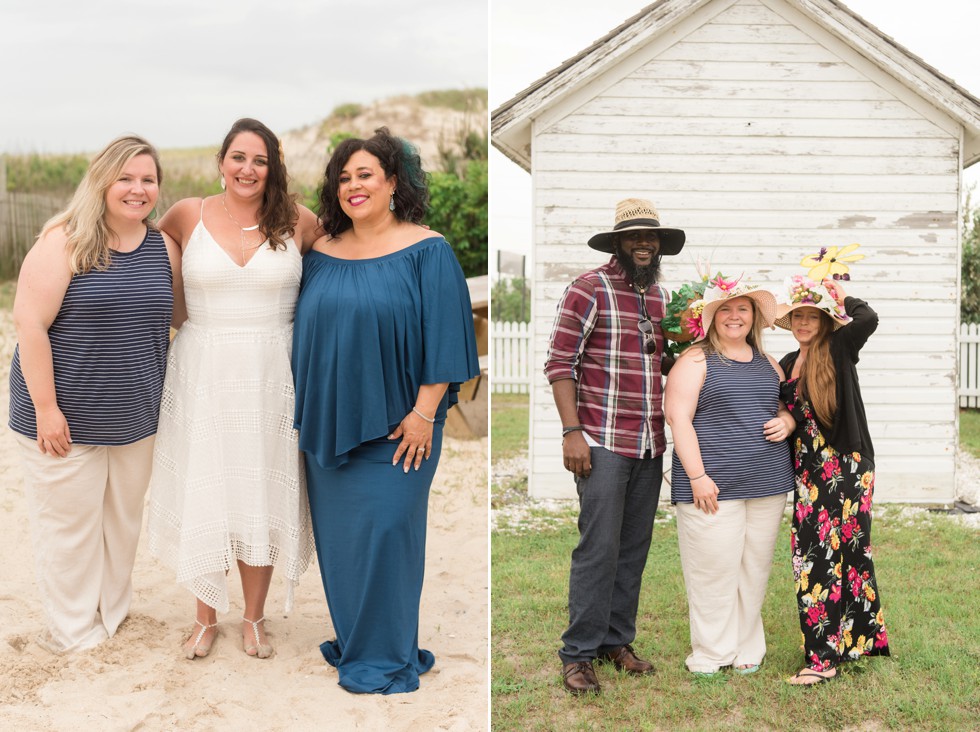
733 319
134 193
245 165
362 189
807 324
640 246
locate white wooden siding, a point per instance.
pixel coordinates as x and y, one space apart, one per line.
766 138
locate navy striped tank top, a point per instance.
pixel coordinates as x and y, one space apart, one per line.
109 345
736 400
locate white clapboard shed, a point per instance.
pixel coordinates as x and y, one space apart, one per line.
766 129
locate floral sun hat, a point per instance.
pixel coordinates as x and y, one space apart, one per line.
800 292
720 290
692 307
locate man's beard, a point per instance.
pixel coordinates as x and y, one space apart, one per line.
640 276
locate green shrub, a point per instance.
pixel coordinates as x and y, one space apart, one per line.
970 287
458 210
34 173
511 299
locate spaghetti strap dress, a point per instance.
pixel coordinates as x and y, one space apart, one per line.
368 334
227 479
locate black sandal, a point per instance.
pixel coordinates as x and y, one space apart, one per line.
810 673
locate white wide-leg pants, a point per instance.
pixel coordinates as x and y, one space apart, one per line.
726 559
86 511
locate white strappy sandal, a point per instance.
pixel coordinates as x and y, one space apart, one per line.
259 650
197 650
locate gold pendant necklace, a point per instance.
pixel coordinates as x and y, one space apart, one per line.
243 229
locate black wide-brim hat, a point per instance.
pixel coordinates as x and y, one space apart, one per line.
635 214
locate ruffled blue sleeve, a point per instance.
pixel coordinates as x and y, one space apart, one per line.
448 340
368 333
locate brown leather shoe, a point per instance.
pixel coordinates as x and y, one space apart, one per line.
579 678
625 659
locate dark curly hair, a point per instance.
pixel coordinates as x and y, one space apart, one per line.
398 158
277 214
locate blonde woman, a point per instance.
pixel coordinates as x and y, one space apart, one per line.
96 297
836 588
731 473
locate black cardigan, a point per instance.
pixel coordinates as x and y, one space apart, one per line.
849 433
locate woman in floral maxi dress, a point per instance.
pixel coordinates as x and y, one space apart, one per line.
836 590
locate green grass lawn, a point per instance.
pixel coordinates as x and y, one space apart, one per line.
928 569
970 431
508 425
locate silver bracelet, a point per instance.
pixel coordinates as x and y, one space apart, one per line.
430 420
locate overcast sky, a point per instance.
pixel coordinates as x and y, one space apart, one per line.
941 32
179 72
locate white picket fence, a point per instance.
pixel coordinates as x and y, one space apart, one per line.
511 344
511 358
969 387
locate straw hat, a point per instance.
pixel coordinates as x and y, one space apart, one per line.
636 214
802 292
723 290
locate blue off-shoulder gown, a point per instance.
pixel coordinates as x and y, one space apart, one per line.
367 334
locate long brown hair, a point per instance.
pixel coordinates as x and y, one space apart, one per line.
277 214
818 378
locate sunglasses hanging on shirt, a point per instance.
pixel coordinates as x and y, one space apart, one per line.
646 327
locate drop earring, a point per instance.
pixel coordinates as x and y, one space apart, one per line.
222 182
391 203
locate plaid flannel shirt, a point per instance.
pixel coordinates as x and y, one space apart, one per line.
597 342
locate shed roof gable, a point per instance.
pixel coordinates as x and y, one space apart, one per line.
511 121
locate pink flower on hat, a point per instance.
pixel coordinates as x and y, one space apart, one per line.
724 285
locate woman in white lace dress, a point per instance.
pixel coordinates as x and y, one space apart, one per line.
227 482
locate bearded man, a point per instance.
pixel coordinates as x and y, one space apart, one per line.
605 363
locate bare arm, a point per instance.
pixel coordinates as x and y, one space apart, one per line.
180 308
680 403
41 287
308 229
181 218
576 454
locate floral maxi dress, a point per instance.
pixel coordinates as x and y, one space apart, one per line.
836 590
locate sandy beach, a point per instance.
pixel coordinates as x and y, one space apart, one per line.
137 680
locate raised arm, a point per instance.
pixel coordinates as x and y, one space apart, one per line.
864 320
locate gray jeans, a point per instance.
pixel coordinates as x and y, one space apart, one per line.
617 504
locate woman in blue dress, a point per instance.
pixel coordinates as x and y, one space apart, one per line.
383 337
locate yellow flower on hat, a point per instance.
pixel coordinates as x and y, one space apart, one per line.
830 261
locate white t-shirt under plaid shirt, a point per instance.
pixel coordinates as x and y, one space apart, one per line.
596 341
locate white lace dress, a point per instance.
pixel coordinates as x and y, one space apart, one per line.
227 478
